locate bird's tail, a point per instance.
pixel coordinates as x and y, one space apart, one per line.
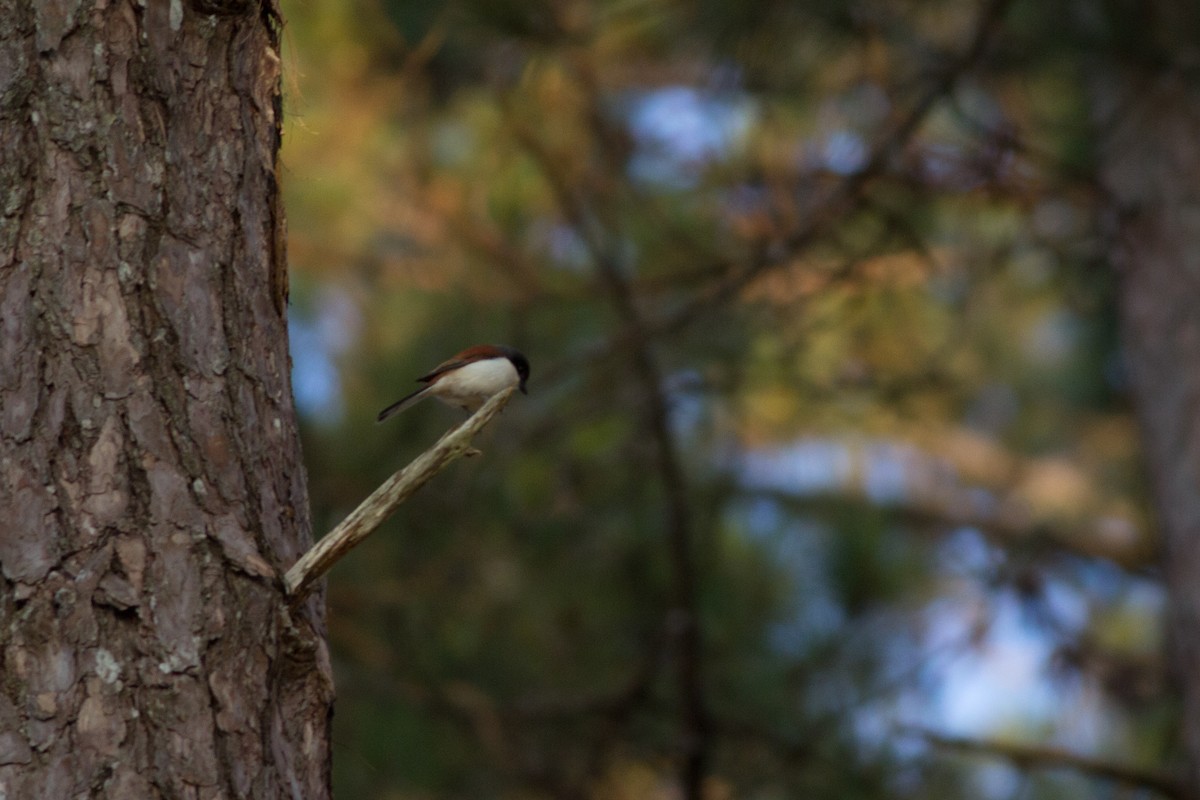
403 403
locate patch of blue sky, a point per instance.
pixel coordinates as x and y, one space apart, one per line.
886 472
808 466
965 551
566 247
317 339
844 152
315 379
1001 682
797 547
971 684
680 129
569 251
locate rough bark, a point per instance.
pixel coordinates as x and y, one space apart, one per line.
1149 119
150 476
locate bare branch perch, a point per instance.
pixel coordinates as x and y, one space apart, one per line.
371 513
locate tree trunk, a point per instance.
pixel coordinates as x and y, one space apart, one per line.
1150 165
150 471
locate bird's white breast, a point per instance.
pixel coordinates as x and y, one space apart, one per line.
471 385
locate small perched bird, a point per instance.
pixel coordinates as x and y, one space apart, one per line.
469 378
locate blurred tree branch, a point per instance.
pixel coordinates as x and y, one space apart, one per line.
843 199
1086 540
636 341
1030 757
682 623
886 243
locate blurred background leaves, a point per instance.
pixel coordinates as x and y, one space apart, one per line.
827 445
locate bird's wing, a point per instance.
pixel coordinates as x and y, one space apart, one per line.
477 353
442 369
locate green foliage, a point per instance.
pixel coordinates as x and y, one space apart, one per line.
927 348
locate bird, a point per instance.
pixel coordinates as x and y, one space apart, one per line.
469 378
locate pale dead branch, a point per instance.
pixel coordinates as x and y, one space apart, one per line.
371 513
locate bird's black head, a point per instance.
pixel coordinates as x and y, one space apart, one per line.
520 362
